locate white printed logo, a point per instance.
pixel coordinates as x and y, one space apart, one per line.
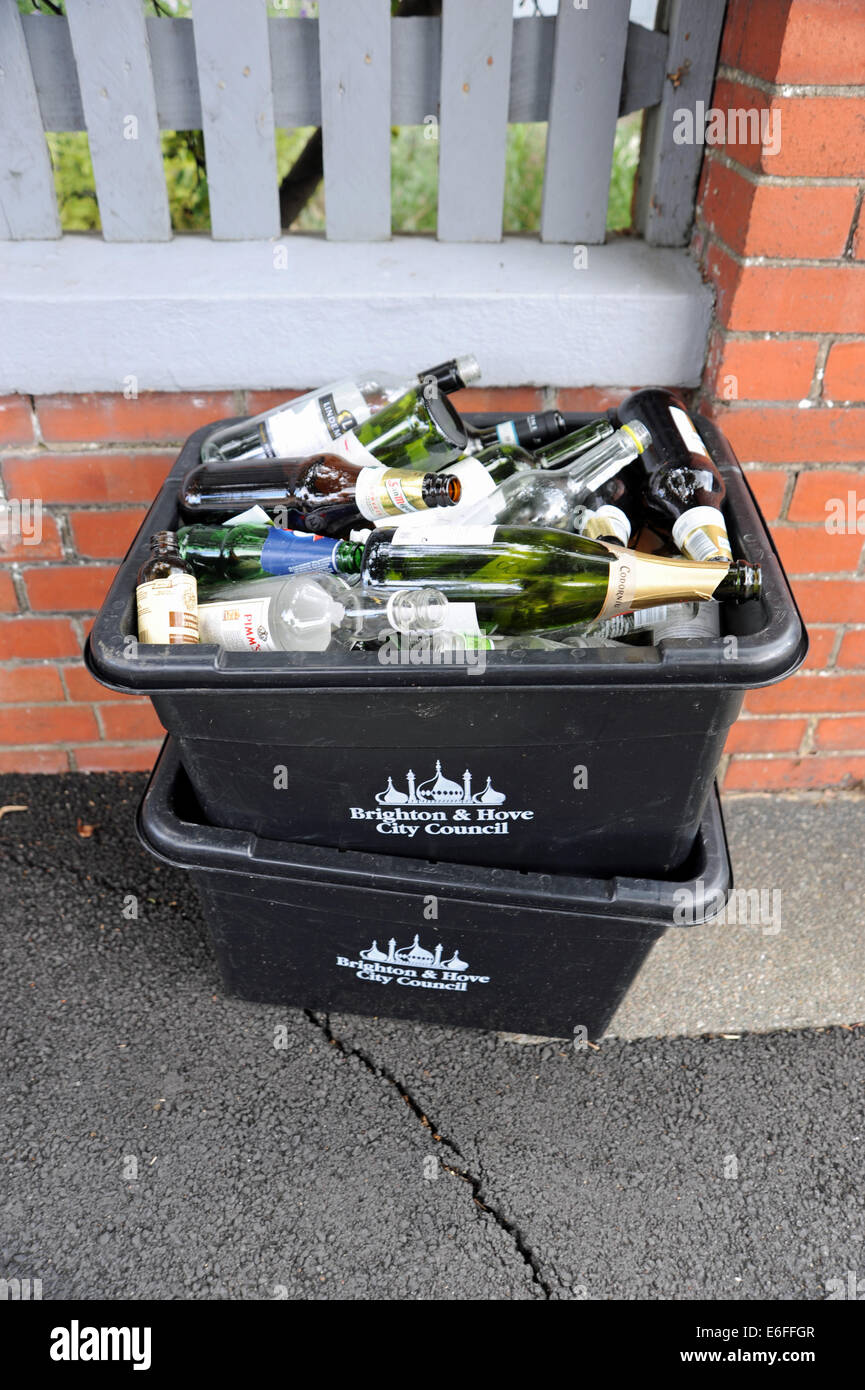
413 966
473 813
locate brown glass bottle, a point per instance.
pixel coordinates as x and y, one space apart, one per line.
166 595
324 493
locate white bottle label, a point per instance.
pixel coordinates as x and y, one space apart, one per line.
240 626
507 432
686 429
351 448
443 535
701 533
315 425
168 610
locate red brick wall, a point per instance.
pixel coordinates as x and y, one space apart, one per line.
782 239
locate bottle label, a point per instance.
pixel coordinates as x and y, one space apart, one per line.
690 437
388 491
297 552
506 432
168 610
701 533
237 626
350 447
622 583
475 479
299 430
443 535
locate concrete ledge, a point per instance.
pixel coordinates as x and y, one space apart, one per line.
81 314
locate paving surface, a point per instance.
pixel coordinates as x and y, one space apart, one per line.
160 1140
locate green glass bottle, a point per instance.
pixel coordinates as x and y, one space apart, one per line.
251 552
421 429
527 579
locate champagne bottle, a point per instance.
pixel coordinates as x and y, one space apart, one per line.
530 432
166 595
312 613
252 552
310 424
539 498
527 579
683 491
323 494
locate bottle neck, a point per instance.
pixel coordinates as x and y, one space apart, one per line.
572 445
644 581
594 467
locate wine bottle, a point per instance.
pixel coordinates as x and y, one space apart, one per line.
612 512
530 432
312 613
310 424
527 579
541 498
683 490
166 595
323 494
253 552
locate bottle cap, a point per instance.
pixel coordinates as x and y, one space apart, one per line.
468 369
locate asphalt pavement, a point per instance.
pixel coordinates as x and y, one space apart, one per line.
160 1140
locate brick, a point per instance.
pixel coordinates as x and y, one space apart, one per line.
820 42
258 401
820 643
844 379
42 638
156 417
44 533
82 687
841 734
137 757
8 597
813 550
809 694
16 421
760 369
33 760
87 477
783 434
769 220
830 600
766 736
105 535
31 685
47 724
821 136
815 490
503 400
136 719
793 774
768 486
851 653
592 399
787 299
67 588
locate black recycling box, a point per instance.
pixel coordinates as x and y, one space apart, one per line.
597 760
452 944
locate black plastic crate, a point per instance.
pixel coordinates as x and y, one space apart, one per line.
449 944
326 748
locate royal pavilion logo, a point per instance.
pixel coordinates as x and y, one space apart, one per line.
438 791
439 806
413 966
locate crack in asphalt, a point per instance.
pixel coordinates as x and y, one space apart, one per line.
510 1228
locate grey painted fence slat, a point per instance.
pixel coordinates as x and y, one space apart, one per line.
28 207
584 105
415 71
109 39
354 39
234 78
475 92
668 172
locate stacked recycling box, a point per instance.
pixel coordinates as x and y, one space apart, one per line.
492 844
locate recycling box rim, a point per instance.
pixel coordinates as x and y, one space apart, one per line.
195 844
771 638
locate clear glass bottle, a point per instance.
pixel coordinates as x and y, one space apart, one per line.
310 423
